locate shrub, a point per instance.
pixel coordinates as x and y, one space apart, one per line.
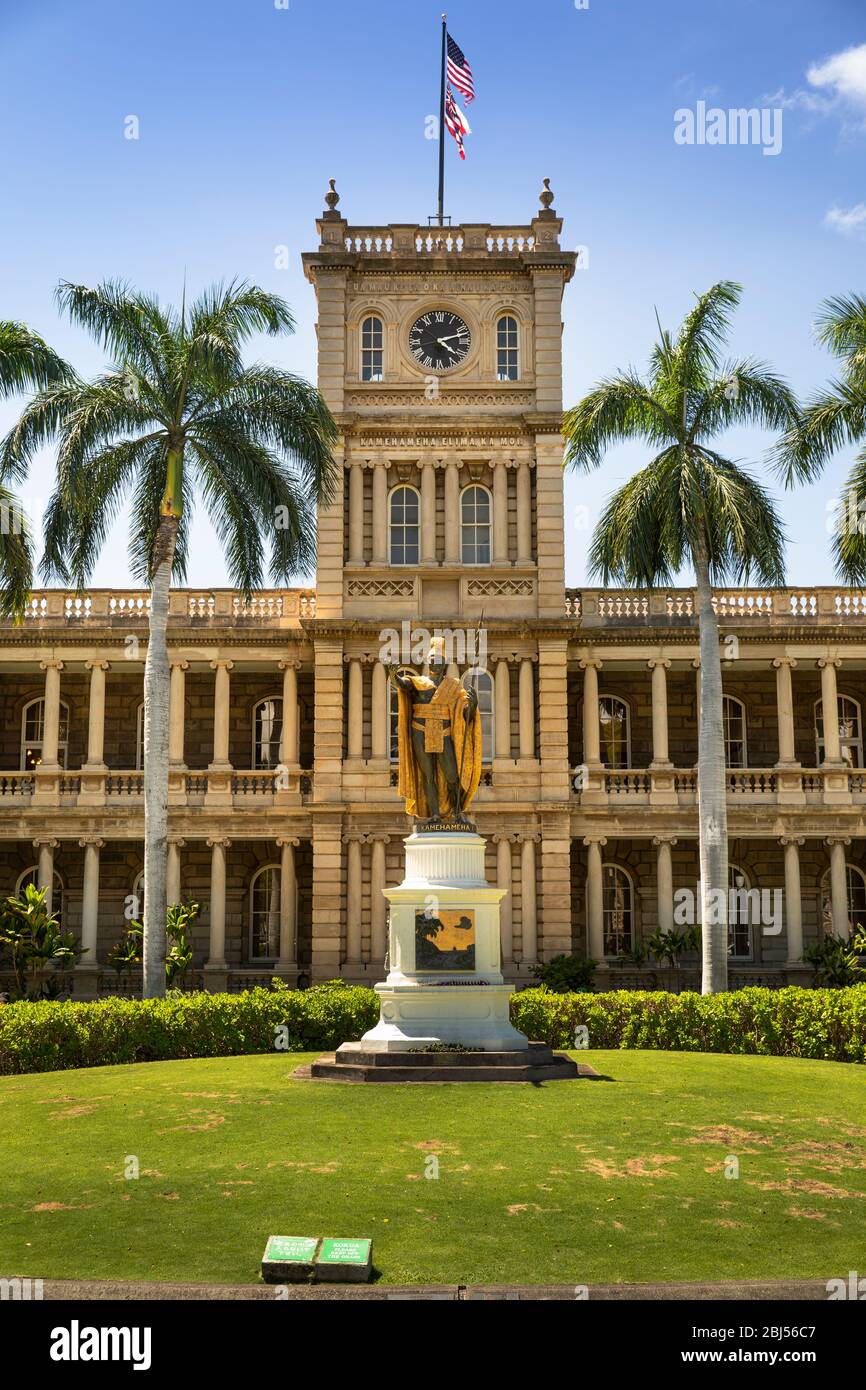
565 974
47 1036
826 1024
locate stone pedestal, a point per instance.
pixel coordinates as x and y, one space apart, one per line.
445 982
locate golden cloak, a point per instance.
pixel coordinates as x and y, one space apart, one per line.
452 698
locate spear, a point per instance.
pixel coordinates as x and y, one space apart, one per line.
465 737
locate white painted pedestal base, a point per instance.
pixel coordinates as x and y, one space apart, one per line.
444 873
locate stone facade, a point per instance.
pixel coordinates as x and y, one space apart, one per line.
288 831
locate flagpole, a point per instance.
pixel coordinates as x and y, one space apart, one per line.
442 127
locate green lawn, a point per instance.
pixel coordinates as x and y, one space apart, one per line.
582 1181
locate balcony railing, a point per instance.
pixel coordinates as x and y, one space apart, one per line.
270 607
658 607
126 788
679 786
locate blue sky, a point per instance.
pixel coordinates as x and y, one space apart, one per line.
247 109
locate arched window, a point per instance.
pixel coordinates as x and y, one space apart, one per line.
267 732
33 730
139 738
855 883
475 525
850 731
404 513
734 725
482 682
372 348
618 899
58 892
740 913
264 919
507 349
615 730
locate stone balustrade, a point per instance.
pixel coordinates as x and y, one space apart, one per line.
471 239
269 607
649 607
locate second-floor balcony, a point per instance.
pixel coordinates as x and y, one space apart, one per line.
629 788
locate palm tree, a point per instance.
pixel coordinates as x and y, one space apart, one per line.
835 418
26 363
178 418
689 506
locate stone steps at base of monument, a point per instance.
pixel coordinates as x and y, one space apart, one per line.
540 1063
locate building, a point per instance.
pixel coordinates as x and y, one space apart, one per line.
439 353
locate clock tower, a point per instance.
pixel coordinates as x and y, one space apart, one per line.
439 354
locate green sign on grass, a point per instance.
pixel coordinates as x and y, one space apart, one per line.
344 1252
291 1249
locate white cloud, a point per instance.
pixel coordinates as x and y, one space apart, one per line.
848 221
843 73
837 87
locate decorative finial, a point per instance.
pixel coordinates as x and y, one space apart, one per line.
545 197
332 197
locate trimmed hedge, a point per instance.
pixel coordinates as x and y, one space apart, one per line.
55 1036
826 1024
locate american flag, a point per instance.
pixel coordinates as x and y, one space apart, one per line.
456 122
458 70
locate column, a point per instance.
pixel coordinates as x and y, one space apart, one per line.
353 898
355 739
452 512
380 512
524 514
177 714
379 712
660 712
591 736
51 717
594 899
289 741
664 882
500 512
830 712
838 884
428 512
96 715
356 513
221 715
503 880
172 870
502 721
378 903
526 718
288 901
528 902
793 902
785 710
90 898
45 870
217 958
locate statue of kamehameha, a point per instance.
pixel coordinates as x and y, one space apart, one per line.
439 741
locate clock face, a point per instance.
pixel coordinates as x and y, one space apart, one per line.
439 340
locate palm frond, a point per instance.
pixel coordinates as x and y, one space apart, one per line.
26 361
619 408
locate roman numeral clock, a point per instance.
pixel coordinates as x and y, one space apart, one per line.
439 340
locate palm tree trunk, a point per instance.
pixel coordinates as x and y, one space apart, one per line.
157 686
712 794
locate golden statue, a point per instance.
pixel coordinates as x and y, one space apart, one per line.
438 741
